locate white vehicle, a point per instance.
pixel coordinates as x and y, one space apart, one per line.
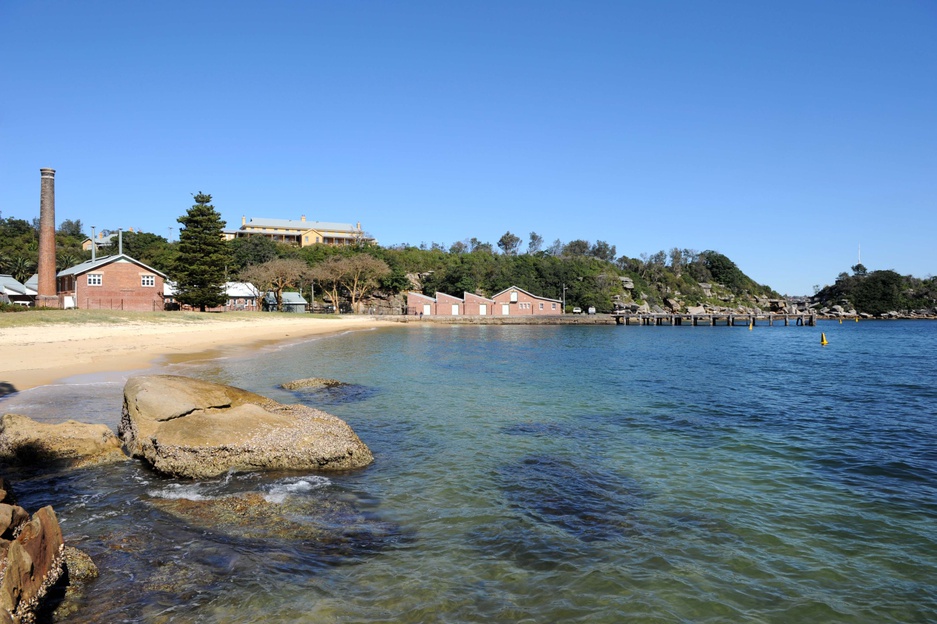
591 309
577 310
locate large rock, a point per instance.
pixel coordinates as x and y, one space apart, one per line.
191 428
25 441
32 564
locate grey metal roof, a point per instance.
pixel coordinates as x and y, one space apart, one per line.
299 224
289 298
10 286
91 265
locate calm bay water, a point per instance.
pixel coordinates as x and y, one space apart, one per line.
543 474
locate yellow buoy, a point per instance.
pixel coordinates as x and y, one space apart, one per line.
857 319
823 339
751 325
840 321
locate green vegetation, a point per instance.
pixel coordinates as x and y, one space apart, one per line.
880 292
590 273
19 246
200 267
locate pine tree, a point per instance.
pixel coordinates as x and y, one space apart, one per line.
203 256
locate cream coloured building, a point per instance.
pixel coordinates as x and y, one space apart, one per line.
302 232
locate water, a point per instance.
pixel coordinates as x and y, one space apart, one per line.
543 474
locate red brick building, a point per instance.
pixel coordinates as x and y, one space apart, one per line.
112 282
516 301
447 305
476 305
418 303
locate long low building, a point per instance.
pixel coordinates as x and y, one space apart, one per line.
511 301
302 232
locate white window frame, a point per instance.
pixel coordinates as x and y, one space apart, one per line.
95 279
148 277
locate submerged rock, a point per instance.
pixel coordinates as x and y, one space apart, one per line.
312 382
23 441
191 428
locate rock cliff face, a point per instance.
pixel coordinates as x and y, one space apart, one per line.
191 428
32 555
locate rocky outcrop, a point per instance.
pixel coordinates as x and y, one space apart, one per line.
191 428
25 441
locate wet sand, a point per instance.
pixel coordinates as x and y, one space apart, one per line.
36 355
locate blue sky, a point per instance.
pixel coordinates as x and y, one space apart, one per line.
783 135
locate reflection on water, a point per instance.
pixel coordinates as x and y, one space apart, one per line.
599 474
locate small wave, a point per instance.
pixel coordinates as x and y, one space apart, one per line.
175 491
278 492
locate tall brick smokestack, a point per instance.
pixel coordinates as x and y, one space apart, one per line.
46 292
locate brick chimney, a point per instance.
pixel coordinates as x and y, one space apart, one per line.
46 289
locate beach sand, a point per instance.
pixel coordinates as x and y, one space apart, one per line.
35 355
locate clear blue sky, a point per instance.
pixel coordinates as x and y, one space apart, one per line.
782 134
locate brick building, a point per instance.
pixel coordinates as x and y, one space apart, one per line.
516 301
447 305
113 282
476 305
418 303
511 301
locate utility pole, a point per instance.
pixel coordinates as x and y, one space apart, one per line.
564 298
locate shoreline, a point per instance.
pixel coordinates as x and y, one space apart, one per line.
38 355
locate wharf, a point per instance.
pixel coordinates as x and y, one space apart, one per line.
617 318
714 318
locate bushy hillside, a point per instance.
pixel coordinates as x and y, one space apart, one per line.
879 292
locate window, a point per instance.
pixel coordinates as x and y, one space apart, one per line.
541 306
95 279
554 306
147 280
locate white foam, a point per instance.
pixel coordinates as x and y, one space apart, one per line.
278 492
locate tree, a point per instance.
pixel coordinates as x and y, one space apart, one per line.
577 248
276 276
509 243
151 249
603 251
360 275
199 270
859 270
535 244
328 275
251 250
21 268
71 228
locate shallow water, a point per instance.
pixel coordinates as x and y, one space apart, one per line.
593 474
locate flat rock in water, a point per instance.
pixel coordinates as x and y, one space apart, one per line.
23 441
187 427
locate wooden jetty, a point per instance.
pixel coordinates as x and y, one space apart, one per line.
714 318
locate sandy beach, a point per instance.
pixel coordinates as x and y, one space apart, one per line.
35 355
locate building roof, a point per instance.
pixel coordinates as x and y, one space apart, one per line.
97 263
496 295
298 224
421 295
466 295
10 286
289 298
